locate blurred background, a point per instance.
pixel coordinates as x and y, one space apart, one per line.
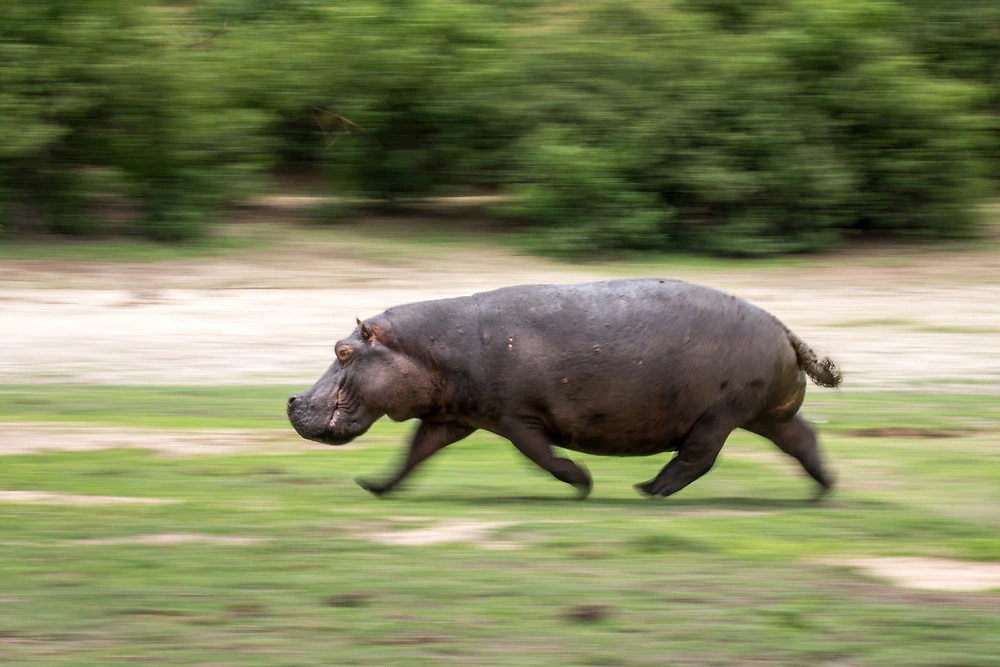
198 197
727 127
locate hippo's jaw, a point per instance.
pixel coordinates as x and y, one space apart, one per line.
348 421
337 420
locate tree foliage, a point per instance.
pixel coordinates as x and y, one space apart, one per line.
724 126
97 100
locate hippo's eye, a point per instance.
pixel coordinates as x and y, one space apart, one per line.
344 353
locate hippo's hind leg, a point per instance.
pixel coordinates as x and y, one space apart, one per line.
695 457
797 439
429 438
535 443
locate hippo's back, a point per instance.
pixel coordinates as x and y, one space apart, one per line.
622 316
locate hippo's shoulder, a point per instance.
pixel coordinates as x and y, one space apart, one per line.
429 313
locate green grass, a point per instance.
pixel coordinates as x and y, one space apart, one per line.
263 406
726 572
155 407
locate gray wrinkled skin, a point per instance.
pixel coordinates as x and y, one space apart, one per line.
617 368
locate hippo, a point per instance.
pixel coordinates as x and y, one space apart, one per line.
617 368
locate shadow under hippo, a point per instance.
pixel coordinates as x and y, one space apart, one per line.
616 368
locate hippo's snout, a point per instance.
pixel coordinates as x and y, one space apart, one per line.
307 421
295 405
326 416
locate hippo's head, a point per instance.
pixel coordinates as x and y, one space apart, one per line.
371 377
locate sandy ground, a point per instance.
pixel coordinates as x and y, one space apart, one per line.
890 319
929 574
55 498
447 531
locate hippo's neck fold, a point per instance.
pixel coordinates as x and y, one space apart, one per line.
444 336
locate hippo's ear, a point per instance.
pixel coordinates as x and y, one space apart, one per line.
366 331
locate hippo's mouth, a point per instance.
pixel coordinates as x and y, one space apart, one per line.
334 411
339 420
343 408
336 420
346 421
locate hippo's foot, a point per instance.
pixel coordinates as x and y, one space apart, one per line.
645 488
825 487
375 488
583 490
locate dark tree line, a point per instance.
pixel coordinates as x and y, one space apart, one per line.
728 126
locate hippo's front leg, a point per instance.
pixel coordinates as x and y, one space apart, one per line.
534 443
429 438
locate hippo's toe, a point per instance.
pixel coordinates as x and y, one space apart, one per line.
372 487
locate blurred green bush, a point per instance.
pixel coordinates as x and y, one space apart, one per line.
97 100
723 126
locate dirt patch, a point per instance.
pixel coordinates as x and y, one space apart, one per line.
902 432
53 498
588 613
171 539
447 531
931 574
683 514
413 638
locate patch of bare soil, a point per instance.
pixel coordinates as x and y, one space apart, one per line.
53 498
902 432
171 539
31 438
447 531
932 574
719 513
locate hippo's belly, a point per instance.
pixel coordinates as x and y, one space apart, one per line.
613 447
637 435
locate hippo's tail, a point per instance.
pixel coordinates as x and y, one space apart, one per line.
823 371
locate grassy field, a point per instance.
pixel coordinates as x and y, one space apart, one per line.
263 551
276 557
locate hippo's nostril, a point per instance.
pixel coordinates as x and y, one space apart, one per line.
291 400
